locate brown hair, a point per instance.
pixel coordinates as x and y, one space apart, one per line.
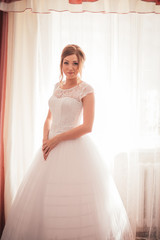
69 50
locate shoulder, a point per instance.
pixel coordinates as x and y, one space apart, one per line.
86 89
56 85
85 85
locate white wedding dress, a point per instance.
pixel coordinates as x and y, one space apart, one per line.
71 195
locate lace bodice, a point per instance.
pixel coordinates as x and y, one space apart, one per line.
66 107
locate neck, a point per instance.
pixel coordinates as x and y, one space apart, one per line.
72 81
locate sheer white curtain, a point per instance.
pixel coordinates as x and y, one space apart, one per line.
123 67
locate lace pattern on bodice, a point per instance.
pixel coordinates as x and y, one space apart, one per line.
77 92
66 107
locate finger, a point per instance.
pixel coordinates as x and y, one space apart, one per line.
45 142
46 155
45 147
46 151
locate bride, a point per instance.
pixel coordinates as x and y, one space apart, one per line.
68 192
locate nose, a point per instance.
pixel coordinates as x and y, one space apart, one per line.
70 66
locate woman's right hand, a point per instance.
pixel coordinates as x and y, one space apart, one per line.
44 141
49 144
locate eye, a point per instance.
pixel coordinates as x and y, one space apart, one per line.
66 63
75 63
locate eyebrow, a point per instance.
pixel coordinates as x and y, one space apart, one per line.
68 60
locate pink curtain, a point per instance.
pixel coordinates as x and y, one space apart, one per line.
3 68
81 1
157 2
3 76
9 1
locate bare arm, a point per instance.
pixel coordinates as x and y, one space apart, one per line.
47 125
88 118
84 128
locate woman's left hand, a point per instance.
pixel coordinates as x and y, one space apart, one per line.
49 144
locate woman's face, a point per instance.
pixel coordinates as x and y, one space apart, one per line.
70 67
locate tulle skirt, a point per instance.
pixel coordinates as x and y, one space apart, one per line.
70 196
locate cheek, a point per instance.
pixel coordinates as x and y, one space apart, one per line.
63 68
76 69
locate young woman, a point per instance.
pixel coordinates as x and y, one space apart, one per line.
68 194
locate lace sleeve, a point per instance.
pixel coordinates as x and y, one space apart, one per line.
86 90
55 86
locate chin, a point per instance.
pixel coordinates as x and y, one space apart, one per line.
72 77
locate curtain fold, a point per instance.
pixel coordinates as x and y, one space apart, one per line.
3 69
15 113
104 6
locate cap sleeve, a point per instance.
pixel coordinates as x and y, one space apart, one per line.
55 86
86 90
